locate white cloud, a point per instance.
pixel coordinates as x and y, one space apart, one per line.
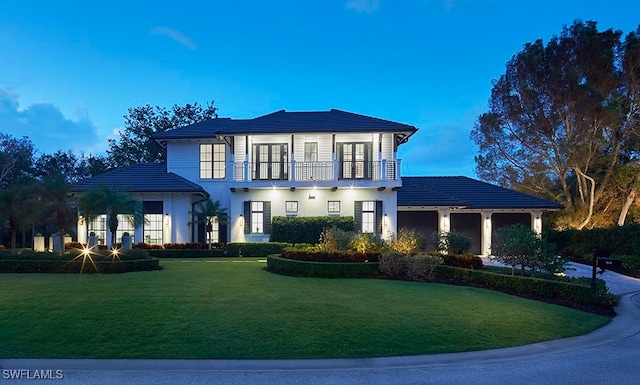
363 6
45 125
176 35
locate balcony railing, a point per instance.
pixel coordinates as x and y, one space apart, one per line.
316 171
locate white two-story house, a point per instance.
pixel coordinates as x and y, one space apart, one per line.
302 164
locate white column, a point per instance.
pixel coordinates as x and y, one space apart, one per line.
536 222
444 221
82 229
486 233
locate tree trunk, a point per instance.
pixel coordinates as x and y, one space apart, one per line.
591 197
14 236
625 208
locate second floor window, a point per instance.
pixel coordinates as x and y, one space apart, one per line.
311 152
270 161
212 161
355 160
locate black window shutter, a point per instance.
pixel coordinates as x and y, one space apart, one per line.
267 217
222 233
340 159
247 217
357 215
379 217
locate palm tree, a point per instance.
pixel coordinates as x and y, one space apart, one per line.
57 204
112 202
207 212
14 207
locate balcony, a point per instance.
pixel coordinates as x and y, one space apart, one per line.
383 173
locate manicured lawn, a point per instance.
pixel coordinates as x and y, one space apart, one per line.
232 310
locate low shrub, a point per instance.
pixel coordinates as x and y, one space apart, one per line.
407 241
335 239
393 264
255 249
465 261
452 242
367 243
147 246
629 262
420 267
329 256
286 266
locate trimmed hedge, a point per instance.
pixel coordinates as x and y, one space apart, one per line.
330 256
286 266
306 229
530 287
255 249
65 266
186 253
465 261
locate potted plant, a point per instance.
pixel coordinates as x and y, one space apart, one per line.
126 241
93 240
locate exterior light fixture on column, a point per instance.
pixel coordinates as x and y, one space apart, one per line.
241 220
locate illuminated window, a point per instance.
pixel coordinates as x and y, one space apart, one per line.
368 216
98 225
124 225
291 207
212 161
333 207
257 217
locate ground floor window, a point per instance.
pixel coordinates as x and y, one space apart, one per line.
368 216
257 217
124 226
152 229
98 226
215 231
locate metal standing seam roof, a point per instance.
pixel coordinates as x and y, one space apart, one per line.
460 191
141 177
287 122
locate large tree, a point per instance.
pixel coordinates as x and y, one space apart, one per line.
72 166
560 119
16 159
134 144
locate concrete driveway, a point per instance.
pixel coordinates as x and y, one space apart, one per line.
610 355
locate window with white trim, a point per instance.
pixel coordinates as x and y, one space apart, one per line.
368 216
310 151
124 226
212 161
333 207
291 208
257 217
152 229
98 226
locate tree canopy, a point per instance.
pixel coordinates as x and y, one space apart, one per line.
135 145
563 123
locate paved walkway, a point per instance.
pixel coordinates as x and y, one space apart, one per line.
609 355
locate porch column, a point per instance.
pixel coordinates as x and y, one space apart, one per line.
536 222
444 221
486 233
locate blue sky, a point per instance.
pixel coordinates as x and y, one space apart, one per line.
70 70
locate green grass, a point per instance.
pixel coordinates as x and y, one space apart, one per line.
232 310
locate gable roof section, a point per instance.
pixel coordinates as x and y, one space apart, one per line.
141 178
287 122
460 191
